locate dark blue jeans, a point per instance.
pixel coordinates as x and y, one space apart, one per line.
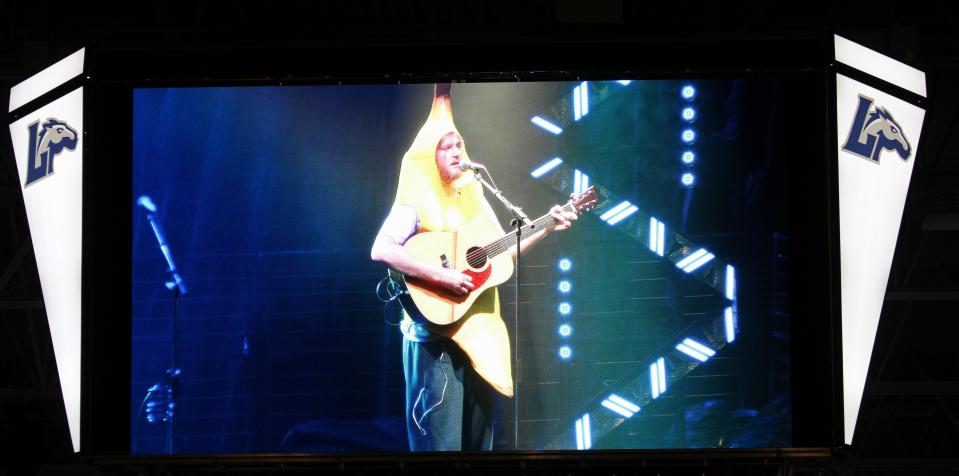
448 405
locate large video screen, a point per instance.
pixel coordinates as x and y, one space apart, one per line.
264 319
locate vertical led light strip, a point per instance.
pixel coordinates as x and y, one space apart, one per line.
653 236
660 238
580 182
730 325
584 97
580 101
688 136
657 377
730 312
579 434
584 437
564 287
657 236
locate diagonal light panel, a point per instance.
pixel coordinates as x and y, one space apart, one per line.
648 380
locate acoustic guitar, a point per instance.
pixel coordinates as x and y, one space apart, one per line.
478 249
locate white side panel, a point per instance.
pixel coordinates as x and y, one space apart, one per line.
880 66
873 181
53 162
44 81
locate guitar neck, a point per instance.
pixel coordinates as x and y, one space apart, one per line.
508 240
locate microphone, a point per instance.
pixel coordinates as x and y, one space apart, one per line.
145 202
467 165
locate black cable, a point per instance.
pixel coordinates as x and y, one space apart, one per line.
393 291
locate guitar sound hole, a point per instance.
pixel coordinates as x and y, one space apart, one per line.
476 257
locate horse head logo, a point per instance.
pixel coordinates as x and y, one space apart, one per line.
874 130
46 141
887 130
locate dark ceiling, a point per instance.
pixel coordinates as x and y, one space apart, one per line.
910 412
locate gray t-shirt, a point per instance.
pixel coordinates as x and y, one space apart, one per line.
400 225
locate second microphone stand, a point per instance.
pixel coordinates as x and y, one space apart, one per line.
172 374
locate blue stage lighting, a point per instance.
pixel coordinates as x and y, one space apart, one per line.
657 378
584 438
661 363
620 406
654 381
699 346
564 286
689 157
691 352
661 238
730 283
653 236
657 236
623 403
689 114
688 179
577 108
565 352
546 125
615 210
625 82
580 101
565 308
688 92
565 264
695 349
565 330
619 212
580 182
730 325
622 215
695 260
546 167
688 136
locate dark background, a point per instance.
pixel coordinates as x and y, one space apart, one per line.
908 420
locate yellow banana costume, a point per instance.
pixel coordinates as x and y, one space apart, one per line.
439 206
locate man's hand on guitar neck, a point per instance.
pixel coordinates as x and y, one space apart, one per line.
564 219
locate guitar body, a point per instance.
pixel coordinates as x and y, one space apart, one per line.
482 335
428 303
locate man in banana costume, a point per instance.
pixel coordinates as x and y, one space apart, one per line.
449 393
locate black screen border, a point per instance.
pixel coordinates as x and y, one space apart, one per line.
799 58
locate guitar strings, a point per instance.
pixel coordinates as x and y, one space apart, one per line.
506 241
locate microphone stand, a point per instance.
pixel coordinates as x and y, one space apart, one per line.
178 287
519 220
